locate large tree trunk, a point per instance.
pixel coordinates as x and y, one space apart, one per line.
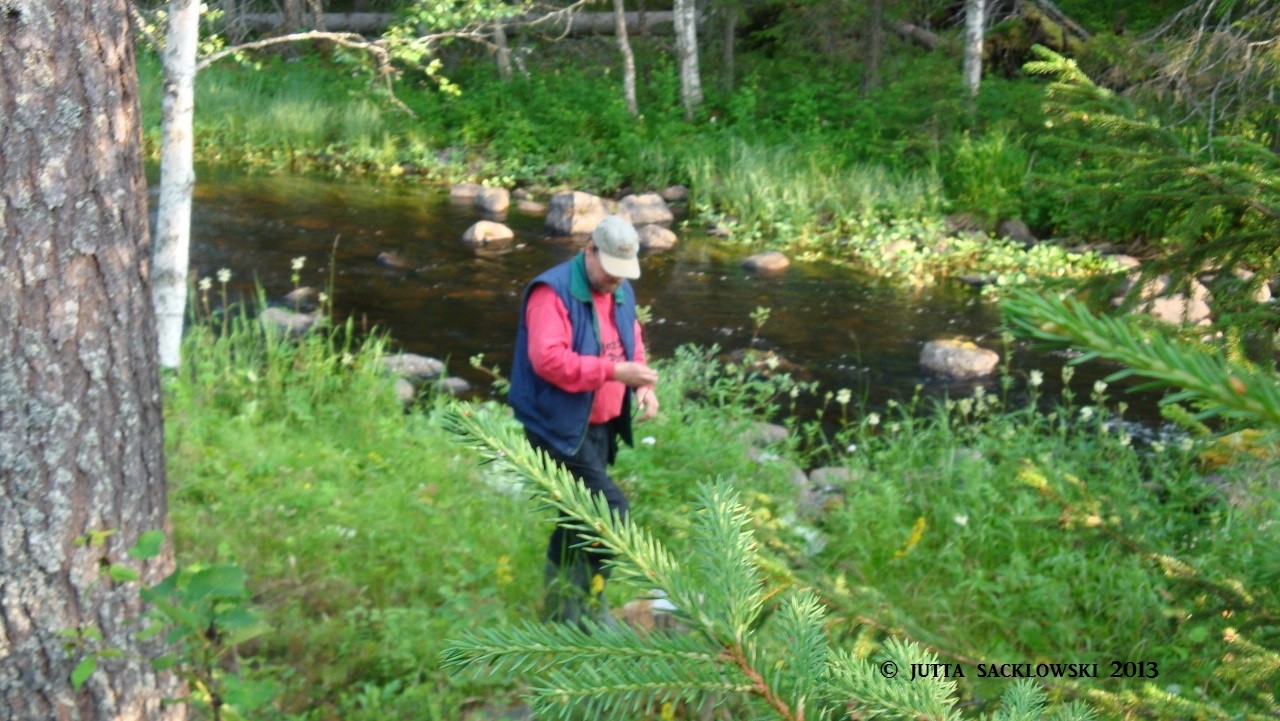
729 51
686 22
177 178
974 19
81 435
628 60
875 46
503 51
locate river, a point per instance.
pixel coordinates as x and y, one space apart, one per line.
844 329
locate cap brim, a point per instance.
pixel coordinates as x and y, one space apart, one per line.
628 268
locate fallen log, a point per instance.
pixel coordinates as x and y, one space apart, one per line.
656 22
915 33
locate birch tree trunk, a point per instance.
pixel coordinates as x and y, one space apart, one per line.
81 435
686 22
628 60
177 179
974 19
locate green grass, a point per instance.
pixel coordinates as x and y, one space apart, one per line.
1004 535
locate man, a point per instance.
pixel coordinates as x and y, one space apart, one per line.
579 365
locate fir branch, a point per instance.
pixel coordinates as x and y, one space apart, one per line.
1231 390
874 696
536 647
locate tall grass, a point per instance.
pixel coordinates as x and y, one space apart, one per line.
793 190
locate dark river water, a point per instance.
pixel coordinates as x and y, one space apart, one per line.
843 329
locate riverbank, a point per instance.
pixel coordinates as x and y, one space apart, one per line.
989 533
905 183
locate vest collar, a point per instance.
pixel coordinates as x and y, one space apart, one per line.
580 285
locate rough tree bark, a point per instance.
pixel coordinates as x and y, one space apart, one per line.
686 22
177 179
81 436
628 59
974 19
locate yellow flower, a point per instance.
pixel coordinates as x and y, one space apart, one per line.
597 584
917 532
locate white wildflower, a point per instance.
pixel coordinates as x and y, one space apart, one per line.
1099 387
873 419
205 284
1186 444
795 392
649 440
1036 379
894 427
844 396
298 262
1086 413
960 519
323 298
1125 439
224 275
771 362
851 448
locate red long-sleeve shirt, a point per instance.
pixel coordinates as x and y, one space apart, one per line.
551 351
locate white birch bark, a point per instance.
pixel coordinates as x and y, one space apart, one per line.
686 22
628 59
974 19
177 179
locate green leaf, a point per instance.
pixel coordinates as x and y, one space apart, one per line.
147 546
122 574
163 663
83 671
223 581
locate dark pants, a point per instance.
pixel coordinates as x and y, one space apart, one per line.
590 466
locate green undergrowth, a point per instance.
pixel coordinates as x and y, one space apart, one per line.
792 157
988 533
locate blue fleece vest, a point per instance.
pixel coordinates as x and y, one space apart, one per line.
553 414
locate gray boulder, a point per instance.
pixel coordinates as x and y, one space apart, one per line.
486 233
764 434
575 213
644 209
453 385
958 359
531 207
675 193
493 200
770 261
287 321
413 366
656 237
465 192
1016 230
405 392
302 297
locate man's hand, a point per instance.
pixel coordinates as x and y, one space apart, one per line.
634 374
647 400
